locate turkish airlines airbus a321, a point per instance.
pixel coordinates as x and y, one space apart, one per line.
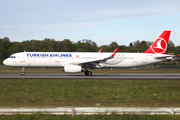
73 62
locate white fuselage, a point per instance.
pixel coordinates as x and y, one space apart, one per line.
60 59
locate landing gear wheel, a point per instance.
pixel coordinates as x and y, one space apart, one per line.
86 72
23 69
89 73
23 73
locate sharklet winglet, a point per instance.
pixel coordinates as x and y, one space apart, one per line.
115 51
100 50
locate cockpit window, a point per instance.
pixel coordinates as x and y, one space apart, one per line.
12 57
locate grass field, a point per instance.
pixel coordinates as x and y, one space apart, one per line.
88 93
85 93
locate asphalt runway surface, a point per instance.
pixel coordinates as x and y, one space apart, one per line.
122 76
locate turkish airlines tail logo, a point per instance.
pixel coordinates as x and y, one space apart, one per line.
160 45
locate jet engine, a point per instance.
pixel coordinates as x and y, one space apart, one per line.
72 68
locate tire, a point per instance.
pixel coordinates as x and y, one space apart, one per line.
23 73
89 73
86 72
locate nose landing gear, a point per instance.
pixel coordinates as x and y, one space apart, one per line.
23 69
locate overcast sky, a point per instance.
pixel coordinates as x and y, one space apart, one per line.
102 21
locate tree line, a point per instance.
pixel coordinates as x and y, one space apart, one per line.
50 45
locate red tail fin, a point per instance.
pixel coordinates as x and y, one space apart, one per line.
160 45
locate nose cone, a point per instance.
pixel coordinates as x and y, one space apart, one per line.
5 62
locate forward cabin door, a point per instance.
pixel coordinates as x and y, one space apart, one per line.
22 59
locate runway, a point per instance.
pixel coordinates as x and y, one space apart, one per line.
122 76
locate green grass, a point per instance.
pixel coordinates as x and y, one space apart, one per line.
89 93
40 116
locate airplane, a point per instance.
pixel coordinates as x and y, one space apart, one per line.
73 62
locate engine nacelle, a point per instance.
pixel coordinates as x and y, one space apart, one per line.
72 68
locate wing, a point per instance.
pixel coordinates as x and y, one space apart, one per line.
95 63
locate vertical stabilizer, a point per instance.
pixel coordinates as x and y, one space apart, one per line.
160 45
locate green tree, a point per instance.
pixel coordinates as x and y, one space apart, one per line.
6 44
2 51
177 50
140 46
171 47
113 45
87 45
123 48
67 46
105 48
80 50
16 47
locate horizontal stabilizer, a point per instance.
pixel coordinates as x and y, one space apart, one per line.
167 57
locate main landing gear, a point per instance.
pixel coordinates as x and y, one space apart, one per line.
88 73
23 69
